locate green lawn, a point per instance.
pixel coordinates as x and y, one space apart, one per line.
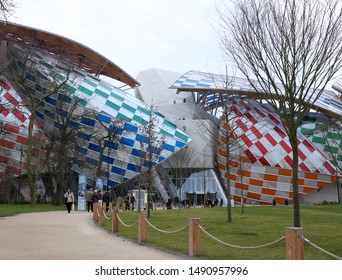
322 225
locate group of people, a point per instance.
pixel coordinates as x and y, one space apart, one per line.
96 196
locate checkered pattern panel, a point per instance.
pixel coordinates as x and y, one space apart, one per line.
124 158
14 137
258 135
198 81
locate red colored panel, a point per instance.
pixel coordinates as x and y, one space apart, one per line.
303 167
4 159
256 132
4 85
22 140
11 128
301 155
11 99
271 139
329 167
288 159
261 147
274 119
264 161
19 115
7 144
280 132
251 157
286 147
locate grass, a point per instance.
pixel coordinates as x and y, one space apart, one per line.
14 209
322 225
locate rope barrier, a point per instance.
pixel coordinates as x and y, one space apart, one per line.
104 214
165 231
320 249
132 225
242 247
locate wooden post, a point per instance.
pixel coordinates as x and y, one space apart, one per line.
142 228
294 243
102 209
95 216
115 221
194 237
110 207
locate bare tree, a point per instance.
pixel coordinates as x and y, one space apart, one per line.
151 149
288 50
7 8
25 73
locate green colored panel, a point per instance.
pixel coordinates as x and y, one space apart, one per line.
139 120
162 131
46 64
309 119
334 136
112 105
90 83
319 140
147 112
62 68
181 136
123 117
129 108
103 94
105 86
80 101
339 158
331 149
166 122
69 88
118 97
85 90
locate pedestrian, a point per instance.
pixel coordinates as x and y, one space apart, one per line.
132 200
106 199
89 201
100 198
70 199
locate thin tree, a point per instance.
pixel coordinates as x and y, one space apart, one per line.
23 71
7 8
288 50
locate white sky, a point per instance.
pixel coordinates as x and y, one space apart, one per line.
136 35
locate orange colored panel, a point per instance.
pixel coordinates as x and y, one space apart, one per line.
321 184
233 177
222 166
223 153
300 182
311 176
285 172
270 177
256 182
308 189
254 195
268 191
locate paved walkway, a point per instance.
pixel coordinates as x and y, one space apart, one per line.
62 236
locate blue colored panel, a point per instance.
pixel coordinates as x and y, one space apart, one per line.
92 161
103 118
111 145
141 138
65 98
133 167
82 150
107 159
118 170
51 101
83 136
180 144
88 121
40 115
74 124
127 142
130 127
138 153
49 114
94 147
168 147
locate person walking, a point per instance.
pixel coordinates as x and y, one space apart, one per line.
106 199
70 199
132 201
89 201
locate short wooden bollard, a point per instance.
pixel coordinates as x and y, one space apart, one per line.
102 217
110 207
95 215
142 227
194 237
294 243
115 221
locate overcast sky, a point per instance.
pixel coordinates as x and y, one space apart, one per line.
136 35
